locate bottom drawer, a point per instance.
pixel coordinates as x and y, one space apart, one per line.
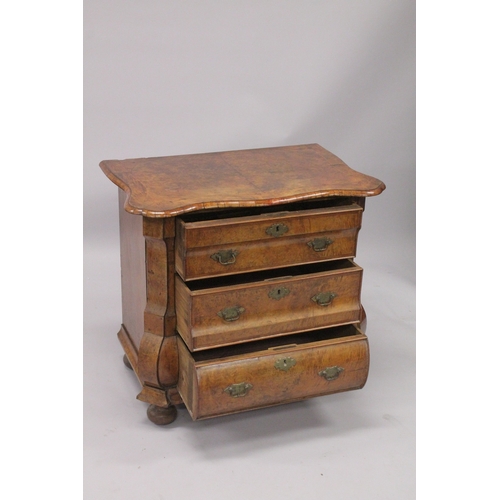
274 371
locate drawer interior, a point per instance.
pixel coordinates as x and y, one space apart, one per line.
221 213
278 343
272 274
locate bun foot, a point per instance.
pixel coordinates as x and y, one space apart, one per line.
162 416
127 362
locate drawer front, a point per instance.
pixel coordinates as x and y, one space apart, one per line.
238 245
232 314
271 377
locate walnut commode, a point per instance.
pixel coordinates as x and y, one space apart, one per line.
239 289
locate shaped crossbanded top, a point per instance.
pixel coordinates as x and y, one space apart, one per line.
173 185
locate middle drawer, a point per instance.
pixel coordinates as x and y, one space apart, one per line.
212 313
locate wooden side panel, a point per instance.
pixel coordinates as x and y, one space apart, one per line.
129 347
133 272
158 366
187 386
209 393
170 314
156 258
168 363
147 364
180 248
183 306
201 316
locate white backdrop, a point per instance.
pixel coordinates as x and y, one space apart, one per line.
180 77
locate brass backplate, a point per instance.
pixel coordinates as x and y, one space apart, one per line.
331 373
320 244
238 390
324 298
277 230
225 257
285 363
278 293
231 313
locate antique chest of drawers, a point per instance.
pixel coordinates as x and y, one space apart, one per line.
239 288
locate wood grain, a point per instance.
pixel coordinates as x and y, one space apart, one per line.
233 230
133 273
129 348
255 249
169 186
203 384
168 362
201 325
264 210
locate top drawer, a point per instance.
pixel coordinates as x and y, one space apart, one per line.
242 244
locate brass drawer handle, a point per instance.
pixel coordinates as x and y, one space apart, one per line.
278 293
225 257
319 244
238 390
231 313
331 373
324 298
277 230
284 364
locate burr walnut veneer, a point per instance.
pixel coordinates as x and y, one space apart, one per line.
239 288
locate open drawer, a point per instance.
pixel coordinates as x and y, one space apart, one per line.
236 309
273 371
208 248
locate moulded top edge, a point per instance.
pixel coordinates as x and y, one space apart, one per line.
171 186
